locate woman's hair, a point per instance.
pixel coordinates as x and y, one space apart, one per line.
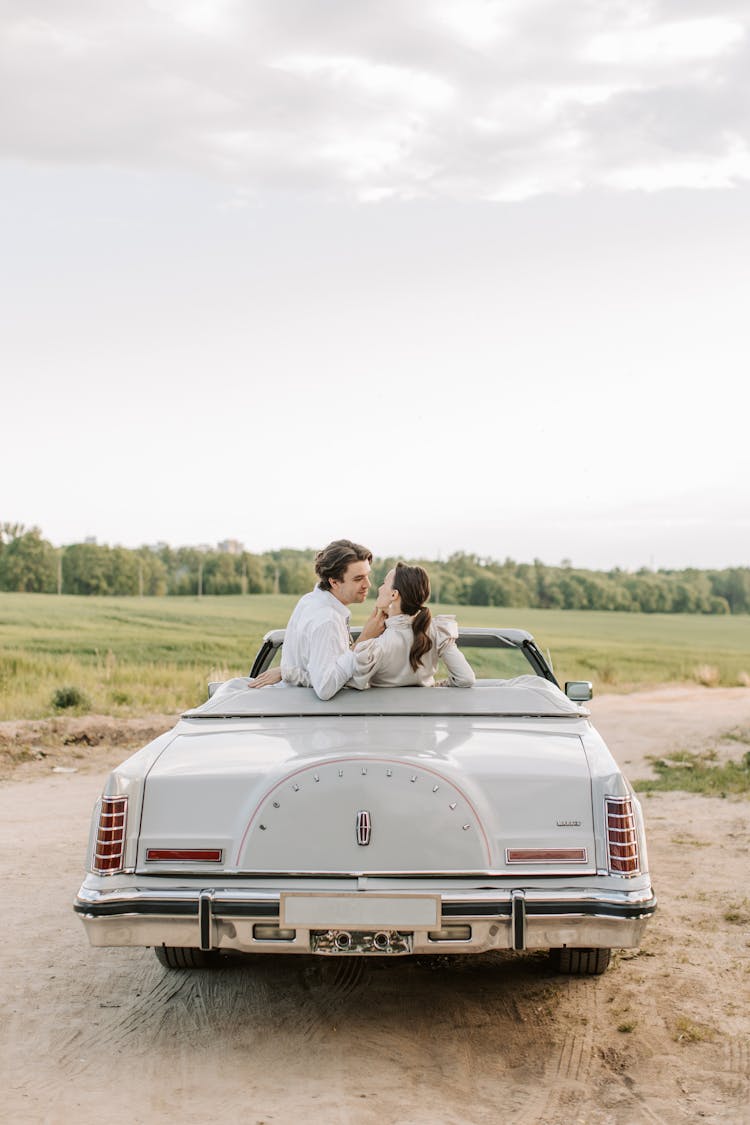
333 560
413 584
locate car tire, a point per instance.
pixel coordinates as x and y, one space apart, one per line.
580 962
176 957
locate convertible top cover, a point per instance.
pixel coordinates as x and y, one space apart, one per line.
524 695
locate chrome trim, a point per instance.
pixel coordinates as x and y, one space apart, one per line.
363 827
303 714
518 918
205 910
141 896
530 919
551 872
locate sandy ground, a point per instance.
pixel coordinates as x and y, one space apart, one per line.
664 1036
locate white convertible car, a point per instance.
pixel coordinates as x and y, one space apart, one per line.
383 822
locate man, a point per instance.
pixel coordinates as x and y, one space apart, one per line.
317 646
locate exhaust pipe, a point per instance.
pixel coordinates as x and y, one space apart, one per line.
381 940
343 940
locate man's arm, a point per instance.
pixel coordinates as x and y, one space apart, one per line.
331 662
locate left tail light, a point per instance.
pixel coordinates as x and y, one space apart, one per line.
109 850
622 837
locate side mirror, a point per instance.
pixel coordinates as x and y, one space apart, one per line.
214 684
580 691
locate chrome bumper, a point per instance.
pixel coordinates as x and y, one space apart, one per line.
226 919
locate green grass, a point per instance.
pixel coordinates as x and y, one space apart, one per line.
134 656
698 773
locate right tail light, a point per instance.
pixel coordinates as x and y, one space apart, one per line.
622 837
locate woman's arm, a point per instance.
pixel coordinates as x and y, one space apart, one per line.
460 672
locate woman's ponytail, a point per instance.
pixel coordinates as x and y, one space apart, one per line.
413 584
422 639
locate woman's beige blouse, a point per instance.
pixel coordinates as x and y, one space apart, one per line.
384 660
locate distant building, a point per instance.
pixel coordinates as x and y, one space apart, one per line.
231 547
90 539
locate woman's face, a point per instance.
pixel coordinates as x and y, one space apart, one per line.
385 599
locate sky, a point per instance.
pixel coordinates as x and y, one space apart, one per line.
457 275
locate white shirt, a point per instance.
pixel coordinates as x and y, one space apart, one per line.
316 650
384 660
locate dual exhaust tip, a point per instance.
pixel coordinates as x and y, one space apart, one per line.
343 940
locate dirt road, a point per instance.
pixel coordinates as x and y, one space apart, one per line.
663 1037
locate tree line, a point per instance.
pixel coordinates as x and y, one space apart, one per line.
29 563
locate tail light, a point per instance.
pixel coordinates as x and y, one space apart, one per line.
109 850
622 837
183 855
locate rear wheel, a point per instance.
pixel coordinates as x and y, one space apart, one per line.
580 962
176 957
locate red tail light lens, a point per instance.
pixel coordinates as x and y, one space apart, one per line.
546 855
183 855
622 837
109 851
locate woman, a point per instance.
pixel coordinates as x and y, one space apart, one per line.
407 652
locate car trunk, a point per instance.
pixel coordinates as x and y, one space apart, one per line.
384 797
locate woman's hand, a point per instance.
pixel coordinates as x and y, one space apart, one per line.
272 676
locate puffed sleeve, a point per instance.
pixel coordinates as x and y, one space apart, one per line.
367 656
460 672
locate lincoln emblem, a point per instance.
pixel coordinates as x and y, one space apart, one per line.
363 828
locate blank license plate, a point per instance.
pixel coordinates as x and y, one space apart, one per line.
360 910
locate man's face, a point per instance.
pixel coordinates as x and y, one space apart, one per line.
353 587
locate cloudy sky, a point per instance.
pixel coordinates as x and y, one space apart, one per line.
447 275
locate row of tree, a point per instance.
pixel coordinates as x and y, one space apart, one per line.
28 562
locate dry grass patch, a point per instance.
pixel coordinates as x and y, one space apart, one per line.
685 1031
738 913
707 674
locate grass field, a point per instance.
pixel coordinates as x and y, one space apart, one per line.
131 656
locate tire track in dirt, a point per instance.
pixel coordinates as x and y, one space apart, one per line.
631 1099
485 1026
737 1071
329 994
562 1083
142 1013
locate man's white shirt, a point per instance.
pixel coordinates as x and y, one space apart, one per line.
316 650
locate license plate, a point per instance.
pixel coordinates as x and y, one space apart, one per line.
360 910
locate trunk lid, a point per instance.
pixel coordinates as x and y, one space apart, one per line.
375 795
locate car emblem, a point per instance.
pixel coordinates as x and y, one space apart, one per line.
363 827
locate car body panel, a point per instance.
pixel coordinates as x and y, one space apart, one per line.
407 816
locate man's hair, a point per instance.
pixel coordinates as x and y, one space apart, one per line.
333 560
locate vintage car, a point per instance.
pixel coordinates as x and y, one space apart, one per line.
382 822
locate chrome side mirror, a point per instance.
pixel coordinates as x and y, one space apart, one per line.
580 691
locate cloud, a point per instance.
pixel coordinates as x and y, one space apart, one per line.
482 99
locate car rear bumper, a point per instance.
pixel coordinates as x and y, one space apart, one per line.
238 920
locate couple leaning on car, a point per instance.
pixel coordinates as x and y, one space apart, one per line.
399 646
